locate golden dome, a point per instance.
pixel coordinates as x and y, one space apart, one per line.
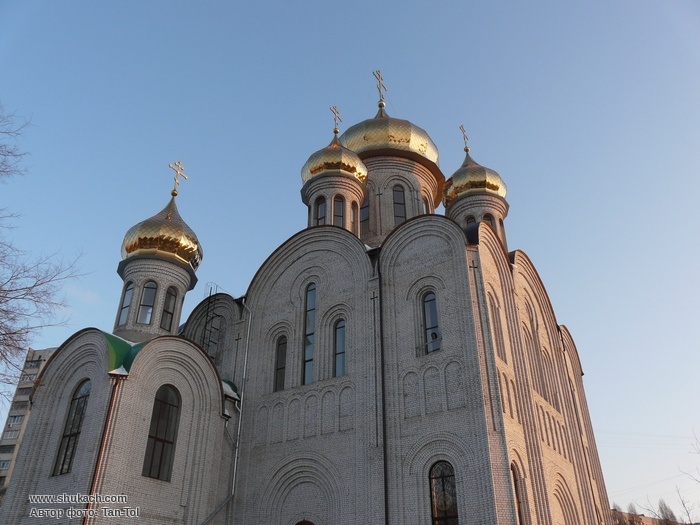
166 235
473 178
334 157
383 133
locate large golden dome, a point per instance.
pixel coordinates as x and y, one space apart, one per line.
165 235
334 157
381 134
473 178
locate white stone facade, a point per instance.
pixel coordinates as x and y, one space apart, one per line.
347 401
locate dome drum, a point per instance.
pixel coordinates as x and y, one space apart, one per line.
384 136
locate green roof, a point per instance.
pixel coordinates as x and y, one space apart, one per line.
121 352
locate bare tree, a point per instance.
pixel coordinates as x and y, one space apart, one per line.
666 515
618 516
30 287
10 154
662 512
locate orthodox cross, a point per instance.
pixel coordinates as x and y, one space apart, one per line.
380 84
466 139
336 118
179 170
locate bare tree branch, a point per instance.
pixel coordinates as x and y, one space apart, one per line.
686 506
10 154
30 286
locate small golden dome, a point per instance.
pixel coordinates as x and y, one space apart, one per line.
384 133
166 235
334 157
472 178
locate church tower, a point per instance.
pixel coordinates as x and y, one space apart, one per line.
159 258
403 179
476 194
334 185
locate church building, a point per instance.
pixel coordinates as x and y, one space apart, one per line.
387 364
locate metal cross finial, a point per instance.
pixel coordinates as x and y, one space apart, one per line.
380 84
179 170
466 139
336 118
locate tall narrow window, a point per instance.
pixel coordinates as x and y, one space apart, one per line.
166 321
148 299
426 208
488 218
71 431
353 218
162 434
339 345
399 205
309 332
320 211
280 363
338 211
430 322
443 494
364 216
126 303
518 493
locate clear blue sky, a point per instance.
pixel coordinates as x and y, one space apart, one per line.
590 112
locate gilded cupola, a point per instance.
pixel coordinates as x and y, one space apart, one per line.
165 235
385 137
476 194
384 134
334 157
472 177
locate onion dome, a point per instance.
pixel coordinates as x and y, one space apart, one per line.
165 235
472 178
334 157
383 134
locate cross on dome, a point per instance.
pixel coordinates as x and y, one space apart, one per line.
380 84
179 170
336 118
466 139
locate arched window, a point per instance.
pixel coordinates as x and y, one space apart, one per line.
126 303
339 346
320 211
470 220
339 211
353 218
430 323
148 299
399 205
518 493
309 332
426 207
364 216
496 327
488 218
280 363
162 434
71 430
166 321
443 494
